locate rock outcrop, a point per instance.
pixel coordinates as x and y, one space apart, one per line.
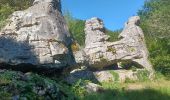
108 76
37 35
131 46
91 87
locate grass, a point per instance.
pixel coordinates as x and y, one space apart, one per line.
116 76
12 83
155 90
144 89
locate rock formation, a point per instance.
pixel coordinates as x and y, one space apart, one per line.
100 54
131 46
37 35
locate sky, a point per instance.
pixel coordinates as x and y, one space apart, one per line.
114 13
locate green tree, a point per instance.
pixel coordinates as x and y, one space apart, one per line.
155 21
76 28
113 34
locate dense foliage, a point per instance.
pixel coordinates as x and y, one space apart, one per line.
76 28
19 86
155 22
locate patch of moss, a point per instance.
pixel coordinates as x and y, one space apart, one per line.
143 75
128 80
103 59
75 47
133 68
131 49
111 49
115 75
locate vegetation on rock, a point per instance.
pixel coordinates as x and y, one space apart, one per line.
16 85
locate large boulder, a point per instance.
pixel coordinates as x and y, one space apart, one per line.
37 35
131 47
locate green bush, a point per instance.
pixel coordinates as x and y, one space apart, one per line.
115 75
155 19
76 28
32 87
143 75
162 64
113 35
79 89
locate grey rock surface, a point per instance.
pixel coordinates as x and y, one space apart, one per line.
37 35
116 76
91 87
81 58
131 46
83 74
107 76
104 76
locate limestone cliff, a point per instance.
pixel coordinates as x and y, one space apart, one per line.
37 35
131 46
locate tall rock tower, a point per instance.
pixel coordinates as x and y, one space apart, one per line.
38 35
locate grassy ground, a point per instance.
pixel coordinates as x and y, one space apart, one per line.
19 85
149 90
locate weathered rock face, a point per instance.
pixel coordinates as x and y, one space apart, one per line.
38 36
131 46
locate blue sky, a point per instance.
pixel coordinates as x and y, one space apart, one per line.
114 13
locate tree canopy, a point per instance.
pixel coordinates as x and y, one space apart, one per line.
155 22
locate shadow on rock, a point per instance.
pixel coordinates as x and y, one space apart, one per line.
19 56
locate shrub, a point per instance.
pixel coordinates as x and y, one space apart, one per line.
113 35
78 88
143 75
162 64
155 21
31 86
115 75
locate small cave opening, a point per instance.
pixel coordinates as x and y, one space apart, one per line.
123 65
128 65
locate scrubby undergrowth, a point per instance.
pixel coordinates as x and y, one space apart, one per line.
29 86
